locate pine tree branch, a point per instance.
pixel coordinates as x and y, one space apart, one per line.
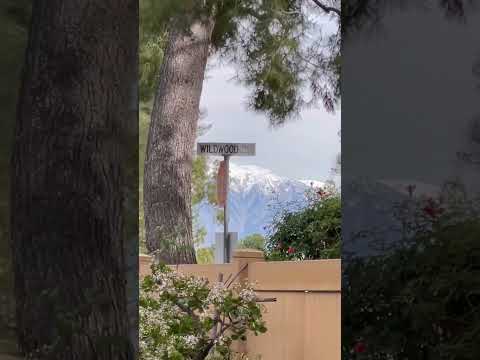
327 9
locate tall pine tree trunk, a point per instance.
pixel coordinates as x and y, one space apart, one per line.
14 16
75 110
171 140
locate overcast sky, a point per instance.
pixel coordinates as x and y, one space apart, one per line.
302 149
421 91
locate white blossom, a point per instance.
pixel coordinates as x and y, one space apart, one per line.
191 340
247 295
217 293
166 304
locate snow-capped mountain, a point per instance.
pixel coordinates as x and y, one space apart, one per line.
254 194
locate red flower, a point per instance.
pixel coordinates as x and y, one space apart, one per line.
359 347
432 209
291 250
429 211
323 193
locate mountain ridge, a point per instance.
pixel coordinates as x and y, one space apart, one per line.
254 192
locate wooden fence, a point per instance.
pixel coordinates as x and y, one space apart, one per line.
305 321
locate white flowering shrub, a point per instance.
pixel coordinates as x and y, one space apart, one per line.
183 317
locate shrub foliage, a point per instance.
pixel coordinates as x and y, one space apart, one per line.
312 232
186 318
418 300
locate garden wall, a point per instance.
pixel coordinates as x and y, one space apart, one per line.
305 321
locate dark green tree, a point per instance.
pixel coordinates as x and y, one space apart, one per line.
254 241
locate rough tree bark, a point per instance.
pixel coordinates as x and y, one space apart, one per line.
14 15
171 139
68 179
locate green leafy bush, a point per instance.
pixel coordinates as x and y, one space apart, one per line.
254 241
312 232
206 255
418 301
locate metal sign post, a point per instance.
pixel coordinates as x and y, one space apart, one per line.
219 253
226 238
226 150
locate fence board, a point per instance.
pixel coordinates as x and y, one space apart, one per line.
316 275
204 271
209 272
285 329
322 332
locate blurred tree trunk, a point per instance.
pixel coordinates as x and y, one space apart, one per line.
14 20
75 112
171 140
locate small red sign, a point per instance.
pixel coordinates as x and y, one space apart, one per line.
221 184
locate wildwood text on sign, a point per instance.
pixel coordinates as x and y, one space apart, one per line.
225 149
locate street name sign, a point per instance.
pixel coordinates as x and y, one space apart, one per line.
225 246
226 149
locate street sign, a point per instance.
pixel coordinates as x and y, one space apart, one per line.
226 149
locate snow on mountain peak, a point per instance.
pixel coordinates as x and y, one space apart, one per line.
246 176
314 183
252 191
247 170
243 177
